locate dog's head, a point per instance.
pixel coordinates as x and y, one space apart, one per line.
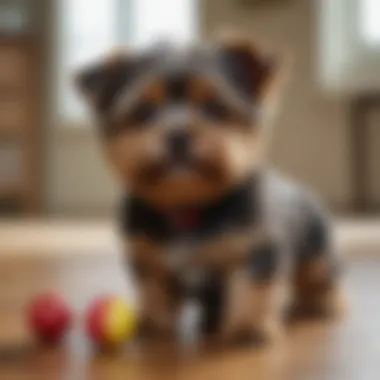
182 125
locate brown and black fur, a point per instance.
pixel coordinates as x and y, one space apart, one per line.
186 130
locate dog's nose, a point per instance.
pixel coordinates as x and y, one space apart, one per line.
178 143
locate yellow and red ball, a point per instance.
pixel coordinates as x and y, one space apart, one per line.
110 321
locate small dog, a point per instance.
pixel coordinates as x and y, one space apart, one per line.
185 130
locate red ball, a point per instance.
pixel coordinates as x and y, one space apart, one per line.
49 317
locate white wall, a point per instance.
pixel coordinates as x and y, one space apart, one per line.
80 181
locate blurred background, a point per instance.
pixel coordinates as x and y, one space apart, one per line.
326 134
58 198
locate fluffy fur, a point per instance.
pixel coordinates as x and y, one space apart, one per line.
185 131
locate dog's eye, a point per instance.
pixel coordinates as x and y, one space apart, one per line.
143 113
215 109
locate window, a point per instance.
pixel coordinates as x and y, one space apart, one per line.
370 21
349 46
162 19
88 28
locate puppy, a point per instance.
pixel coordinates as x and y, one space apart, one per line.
185 129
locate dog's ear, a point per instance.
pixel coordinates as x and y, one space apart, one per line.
101 81
249 69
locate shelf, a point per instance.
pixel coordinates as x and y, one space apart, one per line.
20 107
11 39
11 191
11 133
11 91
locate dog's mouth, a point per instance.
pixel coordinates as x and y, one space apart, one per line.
185 168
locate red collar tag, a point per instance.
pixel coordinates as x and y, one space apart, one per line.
185 219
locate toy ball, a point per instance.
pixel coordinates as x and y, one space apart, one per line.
49 317
110 322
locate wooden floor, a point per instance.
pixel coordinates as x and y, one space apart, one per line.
345 350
